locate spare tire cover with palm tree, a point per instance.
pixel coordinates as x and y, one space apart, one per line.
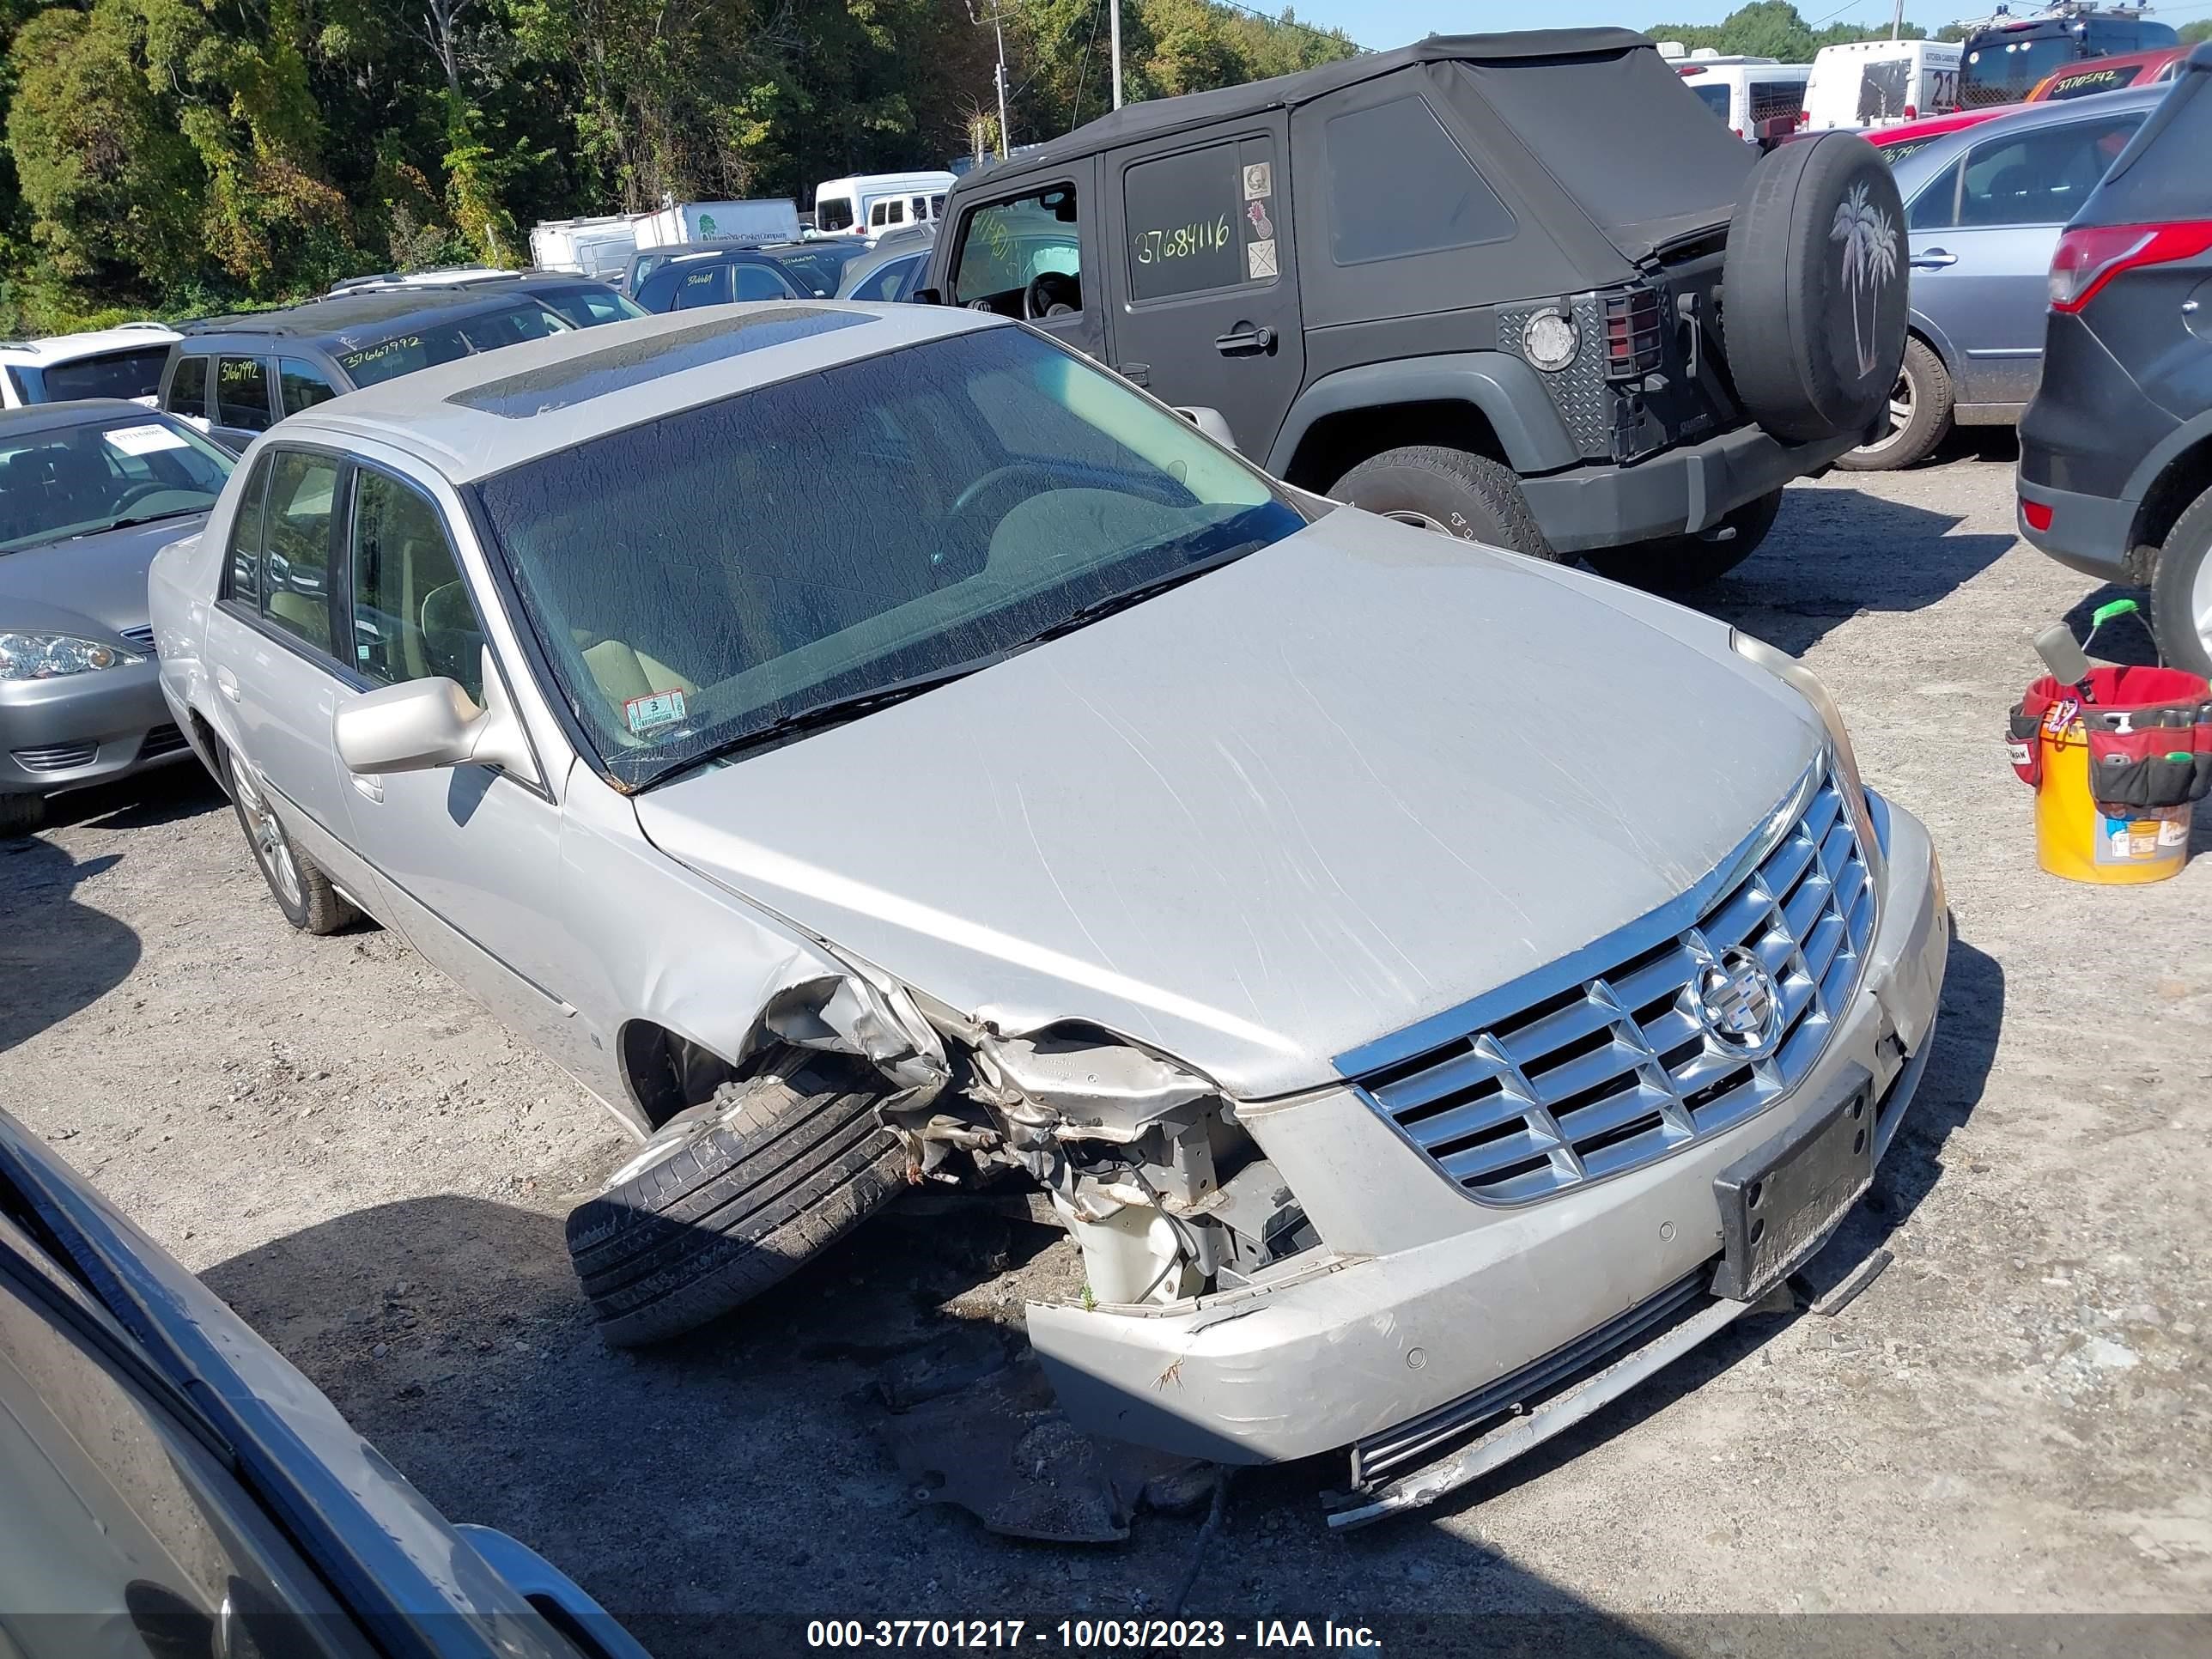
1814 301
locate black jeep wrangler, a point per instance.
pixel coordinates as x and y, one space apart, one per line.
1520 287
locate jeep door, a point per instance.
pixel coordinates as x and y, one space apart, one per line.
1205 297
1036 252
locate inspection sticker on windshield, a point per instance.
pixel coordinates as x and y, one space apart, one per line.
147 440
657 708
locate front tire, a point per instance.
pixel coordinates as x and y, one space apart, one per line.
1677 564
295 881
21 815
732 1195
1450 490
1919 415
2181 591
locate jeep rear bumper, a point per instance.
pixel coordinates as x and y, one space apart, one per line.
1679 490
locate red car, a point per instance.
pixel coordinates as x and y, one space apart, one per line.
2134 69
1899 142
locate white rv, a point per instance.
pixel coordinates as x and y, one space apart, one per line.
869 203
1756 98
1881 83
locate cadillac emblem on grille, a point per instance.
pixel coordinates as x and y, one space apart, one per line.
1736 1003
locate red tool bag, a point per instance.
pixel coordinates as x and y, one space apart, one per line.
2149 731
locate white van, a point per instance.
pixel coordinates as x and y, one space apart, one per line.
1756 97
1881 83
870 204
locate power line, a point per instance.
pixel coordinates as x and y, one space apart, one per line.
1330 35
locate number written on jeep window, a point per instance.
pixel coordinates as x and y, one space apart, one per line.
1182 242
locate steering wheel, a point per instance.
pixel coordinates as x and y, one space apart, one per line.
1051 294
139 492
998 476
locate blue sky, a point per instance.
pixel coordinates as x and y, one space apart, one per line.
1382 23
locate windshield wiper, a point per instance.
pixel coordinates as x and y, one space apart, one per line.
831 711
138 518
1122 598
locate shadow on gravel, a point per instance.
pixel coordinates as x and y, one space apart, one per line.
1837 554
55 955
173 793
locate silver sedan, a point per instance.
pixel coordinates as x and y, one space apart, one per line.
1402 962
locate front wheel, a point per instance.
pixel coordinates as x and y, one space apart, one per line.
2181 591
21 815
1675 564
1450 490
1919 415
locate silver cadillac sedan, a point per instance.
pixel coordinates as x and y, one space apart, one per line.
877 746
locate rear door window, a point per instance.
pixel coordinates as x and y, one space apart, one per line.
2043 177
759 282
1399 184
1198 221
704 285
241 393
242 580
187 393
300 385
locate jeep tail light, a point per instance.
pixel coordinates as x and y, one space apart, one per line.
1632 332
2090 257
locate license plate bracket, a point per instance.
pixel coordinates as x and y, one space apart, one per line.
1781 1200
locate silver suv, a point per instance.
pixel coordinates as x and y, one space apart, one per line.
1422 977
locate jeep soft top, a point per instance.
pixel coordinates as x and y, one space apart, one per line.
1477 282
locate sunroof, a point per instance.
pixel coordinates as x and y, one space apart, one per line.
634 362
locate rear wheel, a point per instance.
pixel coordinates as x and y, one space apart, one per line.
731 1196
1919 415
1449 490
2181 591
295 881
1675 564
21 815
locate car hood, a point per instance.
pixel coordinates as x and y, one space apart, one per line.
100 579
1286 809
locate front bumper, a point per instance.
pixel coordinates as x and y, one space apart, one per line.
1678 491
84 729
1430 1296
2088 533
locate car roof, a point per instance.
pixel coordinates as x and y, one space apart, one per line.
345 317
483 414
75 411
67 348
1156 116
2019 118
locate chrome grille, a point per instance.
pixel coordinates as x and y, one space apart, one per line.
1617 1069
56 757
142 638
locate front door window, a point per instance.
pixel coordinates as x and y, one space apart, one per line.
1022 257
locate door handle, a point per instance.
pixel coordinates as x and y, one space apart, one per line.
227 683
370 788
1934 259
1245 340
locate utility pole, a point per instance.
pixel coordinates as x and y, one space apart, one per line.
1114 22
1897 21
1005 140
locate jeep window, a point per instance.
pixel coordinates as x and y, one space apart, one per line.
2040 178
1399 185
1009 244
1201 220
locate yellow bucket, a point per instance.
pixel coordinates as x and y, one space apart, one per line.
2074 839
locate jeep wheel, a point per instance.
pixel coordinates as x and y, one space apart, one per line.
1919 419
1676 564
1449 490
731 1196
1814 286
2181 591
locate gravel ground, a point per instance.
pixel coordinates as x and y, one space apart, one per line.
2015 1418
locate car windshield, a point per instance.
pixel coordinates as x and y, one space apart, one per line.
66 481
821 266
700 582
426 345
2002 71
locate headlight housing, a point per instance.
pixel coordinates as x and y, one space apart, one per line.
1802 680
51 656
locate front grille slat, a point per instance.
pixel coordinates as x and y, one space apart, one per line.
1588 1081
56 757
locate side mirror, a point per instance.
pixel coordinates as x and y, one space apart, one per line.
929 296
423 725
1210 422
